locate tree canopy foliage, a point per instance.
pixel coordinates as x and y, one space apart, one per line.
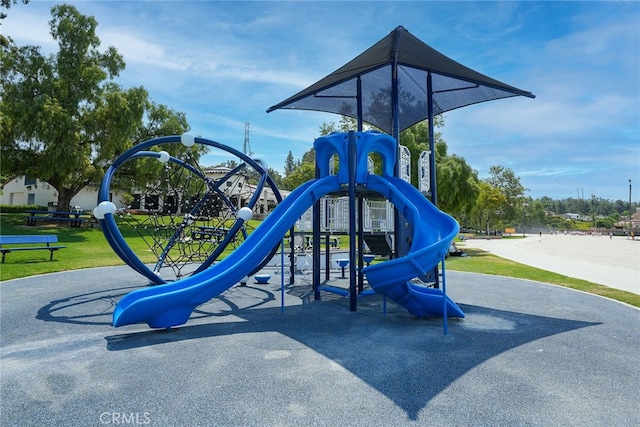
505 180
457 183
488 205
63 118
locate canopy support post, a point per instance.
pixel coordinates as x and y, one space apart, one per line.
352 222
432 162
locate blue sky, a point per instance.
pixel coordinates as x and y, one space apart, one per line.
224 63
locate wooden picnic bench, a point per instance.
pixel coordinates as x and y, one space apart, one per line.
73 218
39 239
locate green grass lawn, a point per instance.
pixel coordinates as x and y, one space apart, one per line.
86 248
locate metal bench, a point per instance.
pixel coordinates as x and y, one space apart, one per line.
39 240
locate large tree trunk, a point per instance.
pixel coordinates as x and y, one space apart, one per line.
64 199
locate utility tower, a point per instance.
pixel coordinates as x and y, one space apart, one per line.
246 148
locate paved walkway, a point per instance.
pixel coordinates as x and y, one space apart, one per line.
526 354
614 262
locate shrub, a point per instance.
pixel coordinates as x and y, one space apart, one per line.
21 208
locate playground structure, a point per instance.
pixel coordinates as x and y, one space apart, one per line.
393 85
171 303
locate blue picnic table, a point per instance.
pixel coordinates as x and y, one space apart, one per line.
74 218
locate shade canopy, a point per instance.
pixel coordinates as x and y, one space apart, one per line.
393 91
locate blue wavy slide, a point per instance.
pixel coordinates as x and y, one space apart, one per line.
171 304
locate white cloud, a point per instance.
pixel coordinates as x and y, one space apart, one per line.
29 27
135 50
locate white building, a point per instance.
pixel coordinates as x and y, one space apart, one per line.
32 191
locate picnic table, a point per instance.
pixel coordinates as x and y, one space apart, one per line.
215 234
74 218
334 242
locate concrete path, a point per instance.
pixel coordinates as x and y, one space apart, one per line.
526 354
614 262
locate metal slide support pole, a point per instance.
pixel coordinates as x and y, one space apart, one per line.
292 256
360 244
327 258
359 102
352 222
315 248
282 277
432 143
395 132
432 160
360 201
445 317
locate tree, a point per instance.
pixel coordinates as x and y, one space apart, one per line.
606 222
457 183
63 118
276 177
305 172
548 203
327 128
508 183
487 208
416 139
533 213
289 165
309 157
159 120
346 124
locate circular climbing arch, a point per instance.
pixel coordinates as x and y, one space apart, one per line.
180 218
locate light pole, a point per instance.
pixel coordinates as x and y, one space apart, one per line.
524 207
630 205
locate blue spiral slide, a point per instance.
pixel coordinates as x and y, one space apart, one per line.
171 304
434 231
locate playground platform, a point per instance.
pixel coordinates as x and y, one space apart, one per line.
527 353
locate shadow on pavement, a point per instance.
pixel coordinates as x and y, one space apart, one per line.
407 359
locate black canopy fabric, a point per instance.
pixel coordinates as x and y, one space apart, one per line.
393 75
